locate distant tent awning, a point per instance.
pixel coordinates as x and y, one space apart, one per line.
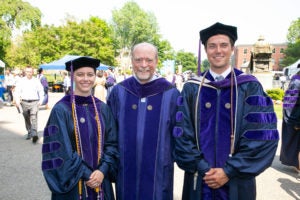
2 64
295 64
60 64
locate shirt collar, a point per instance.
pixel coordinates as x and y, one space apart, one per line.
224 74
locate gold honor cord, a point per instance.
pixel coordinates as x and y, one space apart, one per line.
98 189
78 141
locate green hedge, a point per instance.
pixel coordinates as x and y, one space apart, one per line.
276 93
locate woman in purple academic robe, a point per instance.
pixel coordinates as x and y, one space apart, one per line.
80 152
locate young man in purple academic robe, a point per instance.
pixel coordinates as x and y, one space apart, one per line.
144 107
226 133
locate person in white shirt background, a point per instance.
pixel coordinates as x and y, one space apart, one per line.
9 83
29 94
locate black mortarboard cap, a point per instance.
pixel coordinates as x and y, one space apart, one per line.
40 70
83 61
218 28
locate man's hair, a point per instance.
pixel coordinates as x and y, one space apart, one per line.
144 44
40 70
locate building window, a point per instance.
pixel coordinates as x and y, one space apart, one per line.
273 51
273 61
280 61
245 51
245 60
281 50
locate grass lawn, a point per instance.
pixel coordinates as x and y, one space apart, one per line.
278 111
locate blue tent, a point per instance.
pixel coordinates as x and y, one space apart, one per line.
60 64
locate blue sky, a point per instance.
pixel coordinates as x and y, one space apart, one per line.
180 21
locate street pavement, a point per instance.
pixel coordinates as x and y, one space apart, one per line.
21 175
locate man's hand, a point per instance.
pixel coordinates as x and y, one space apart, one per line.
215 178
96 179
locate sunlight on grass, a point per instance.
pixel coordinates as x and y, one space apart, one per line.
278 111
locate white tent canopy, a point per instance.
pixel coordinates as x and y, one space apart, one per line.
295 64
2 64
60 63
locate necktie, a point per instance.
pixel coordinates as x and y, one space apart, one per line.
219 78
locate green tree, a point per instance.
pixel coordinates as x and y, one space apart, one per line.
293 35
205 65
133 25
35 47
91 38
16 15
165 51
187 60
45 44
292 52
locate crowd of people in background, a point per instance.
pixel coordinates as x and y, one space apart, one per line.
219 127
102 88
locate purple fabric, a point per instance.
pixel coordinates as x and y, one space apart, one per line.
145 133
179 116
291 98
199 58
296 77
51 147
52 164
290 105
177 131
89 137
110 79
259 101
50 130
241 78
262 134
214 120
292 92
138 172
261 118
180 101
214 147
148 89
44 82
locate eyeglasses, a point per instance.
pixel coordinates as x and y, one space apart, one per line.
140 60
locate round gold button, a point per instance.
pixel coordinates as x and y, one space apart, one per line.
227 105
208 105
149 107
82 120
134 106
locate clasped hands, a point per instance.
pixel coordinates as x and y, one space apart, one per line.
215 178
96 179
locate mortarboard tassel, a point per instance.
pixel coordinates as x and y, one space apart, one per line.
199 58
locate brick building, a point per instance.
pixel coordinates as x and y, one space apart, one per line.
242 54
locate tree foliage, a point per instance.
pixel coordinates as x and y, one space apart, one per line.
48 43
16 15
94 37
90 38
292 52
165 51
293 35
187 60
133 25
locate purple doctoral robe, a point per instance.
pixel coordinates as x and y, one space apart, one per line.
62 166
204 130
145 116
290 140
